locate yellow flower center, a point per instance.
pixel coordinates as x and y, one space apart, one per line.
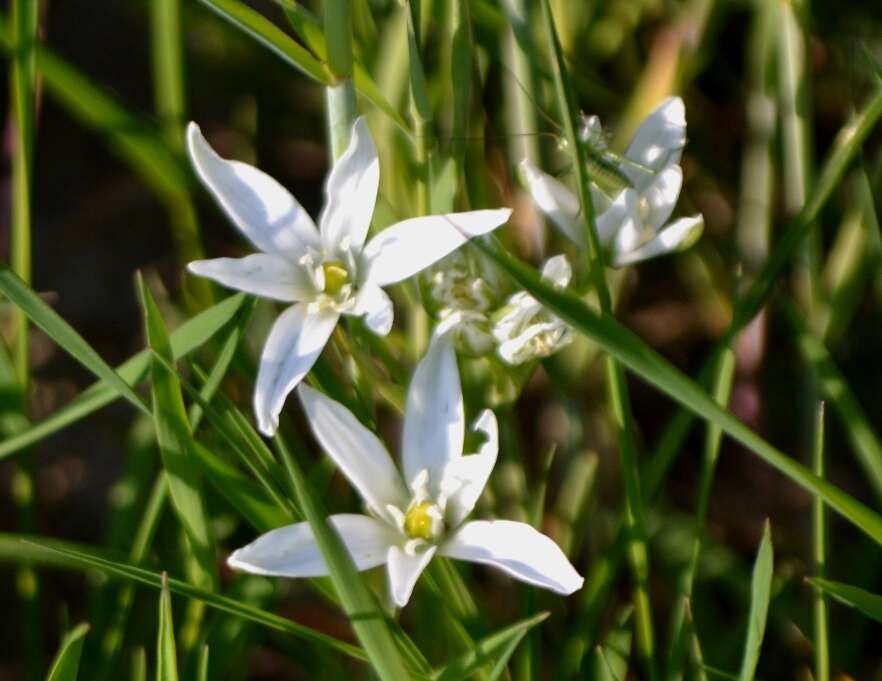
418 523
336 277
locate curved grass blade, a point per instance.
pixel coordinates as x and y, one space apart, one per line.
191 335
760 594
21 295
270 36
868 603
166 653
67 663
651 367
71 558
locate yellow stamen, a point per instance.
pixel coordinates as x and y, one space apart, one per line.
418 523
336 277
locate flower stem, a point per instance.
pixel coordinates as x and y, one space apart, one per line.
340 97
822 649
420 110
616 383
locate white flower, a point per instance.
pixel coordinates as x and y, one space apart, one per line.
407 524
633 226
524 329
325 271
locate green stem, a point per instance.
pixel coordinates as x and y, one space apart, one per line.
340 96
616 382
822 650
420 110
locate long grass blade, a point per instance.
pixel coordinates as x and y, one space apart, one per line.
67 663
819 550
868 603
166 653
760 594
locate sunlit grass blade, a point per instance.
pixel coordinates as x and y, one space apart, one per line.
866 602
166 653
495 649
175 441
819 549
262 30
364 615
191 335
654 369
66 666
63 334
84 560
760 594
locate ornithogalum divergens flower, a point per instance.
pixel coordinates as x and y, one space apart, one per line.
324 271
412 517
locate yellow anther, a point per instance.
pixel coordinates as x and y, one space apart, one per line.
418 523
336 276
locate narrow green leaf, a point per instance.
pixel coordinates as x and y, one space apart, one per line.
63 334
202 669
166 653
168 68
496 648
67 663
646 363
83 560
174 437
270 36
611 658
139 665
191 335
868 603
819 549
760 594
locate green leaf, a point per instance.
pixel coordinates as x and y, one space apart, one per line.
139 665
270 36
202 669
496 648
191 335
166 654
868 603
63 334
67 663
647 364
611 658
79 559
760 594
175 440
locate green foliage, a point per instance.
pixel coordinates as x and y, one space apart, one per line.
67 662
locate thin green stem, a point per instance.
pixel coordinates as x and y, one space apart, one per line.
822 648
420 111
340 95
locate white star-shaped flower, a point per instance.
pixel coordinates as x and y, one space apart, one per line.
323 272
407 524
634 226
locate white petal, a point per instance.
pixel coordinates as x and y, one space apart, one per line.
518 549
408 247
468 475
295 341
262 209
661 196
434 419
557 270
358 453
376 307
658 142
677 236
620 212
555 200
291 551
404 570
262 274
352 190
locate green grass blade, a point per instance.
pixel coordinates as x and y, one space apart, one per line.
67 663
191 335
496 648
270 36
83 560
611 658
63 334
651 367
819 549
868 603
368 622
760 594
139 665
202 668
166 653
168 69
175 441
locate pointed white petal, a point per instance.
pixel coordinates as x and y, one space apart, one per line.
434 419
661 196
352 190
263 210
467 476
291 551
677 236
555 200
557 270
518 549
659 141
376 307
404 570
262 274
295 341
408 247
358 453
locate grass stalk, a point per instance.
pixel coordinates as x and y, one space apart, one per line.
420 111
819 547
